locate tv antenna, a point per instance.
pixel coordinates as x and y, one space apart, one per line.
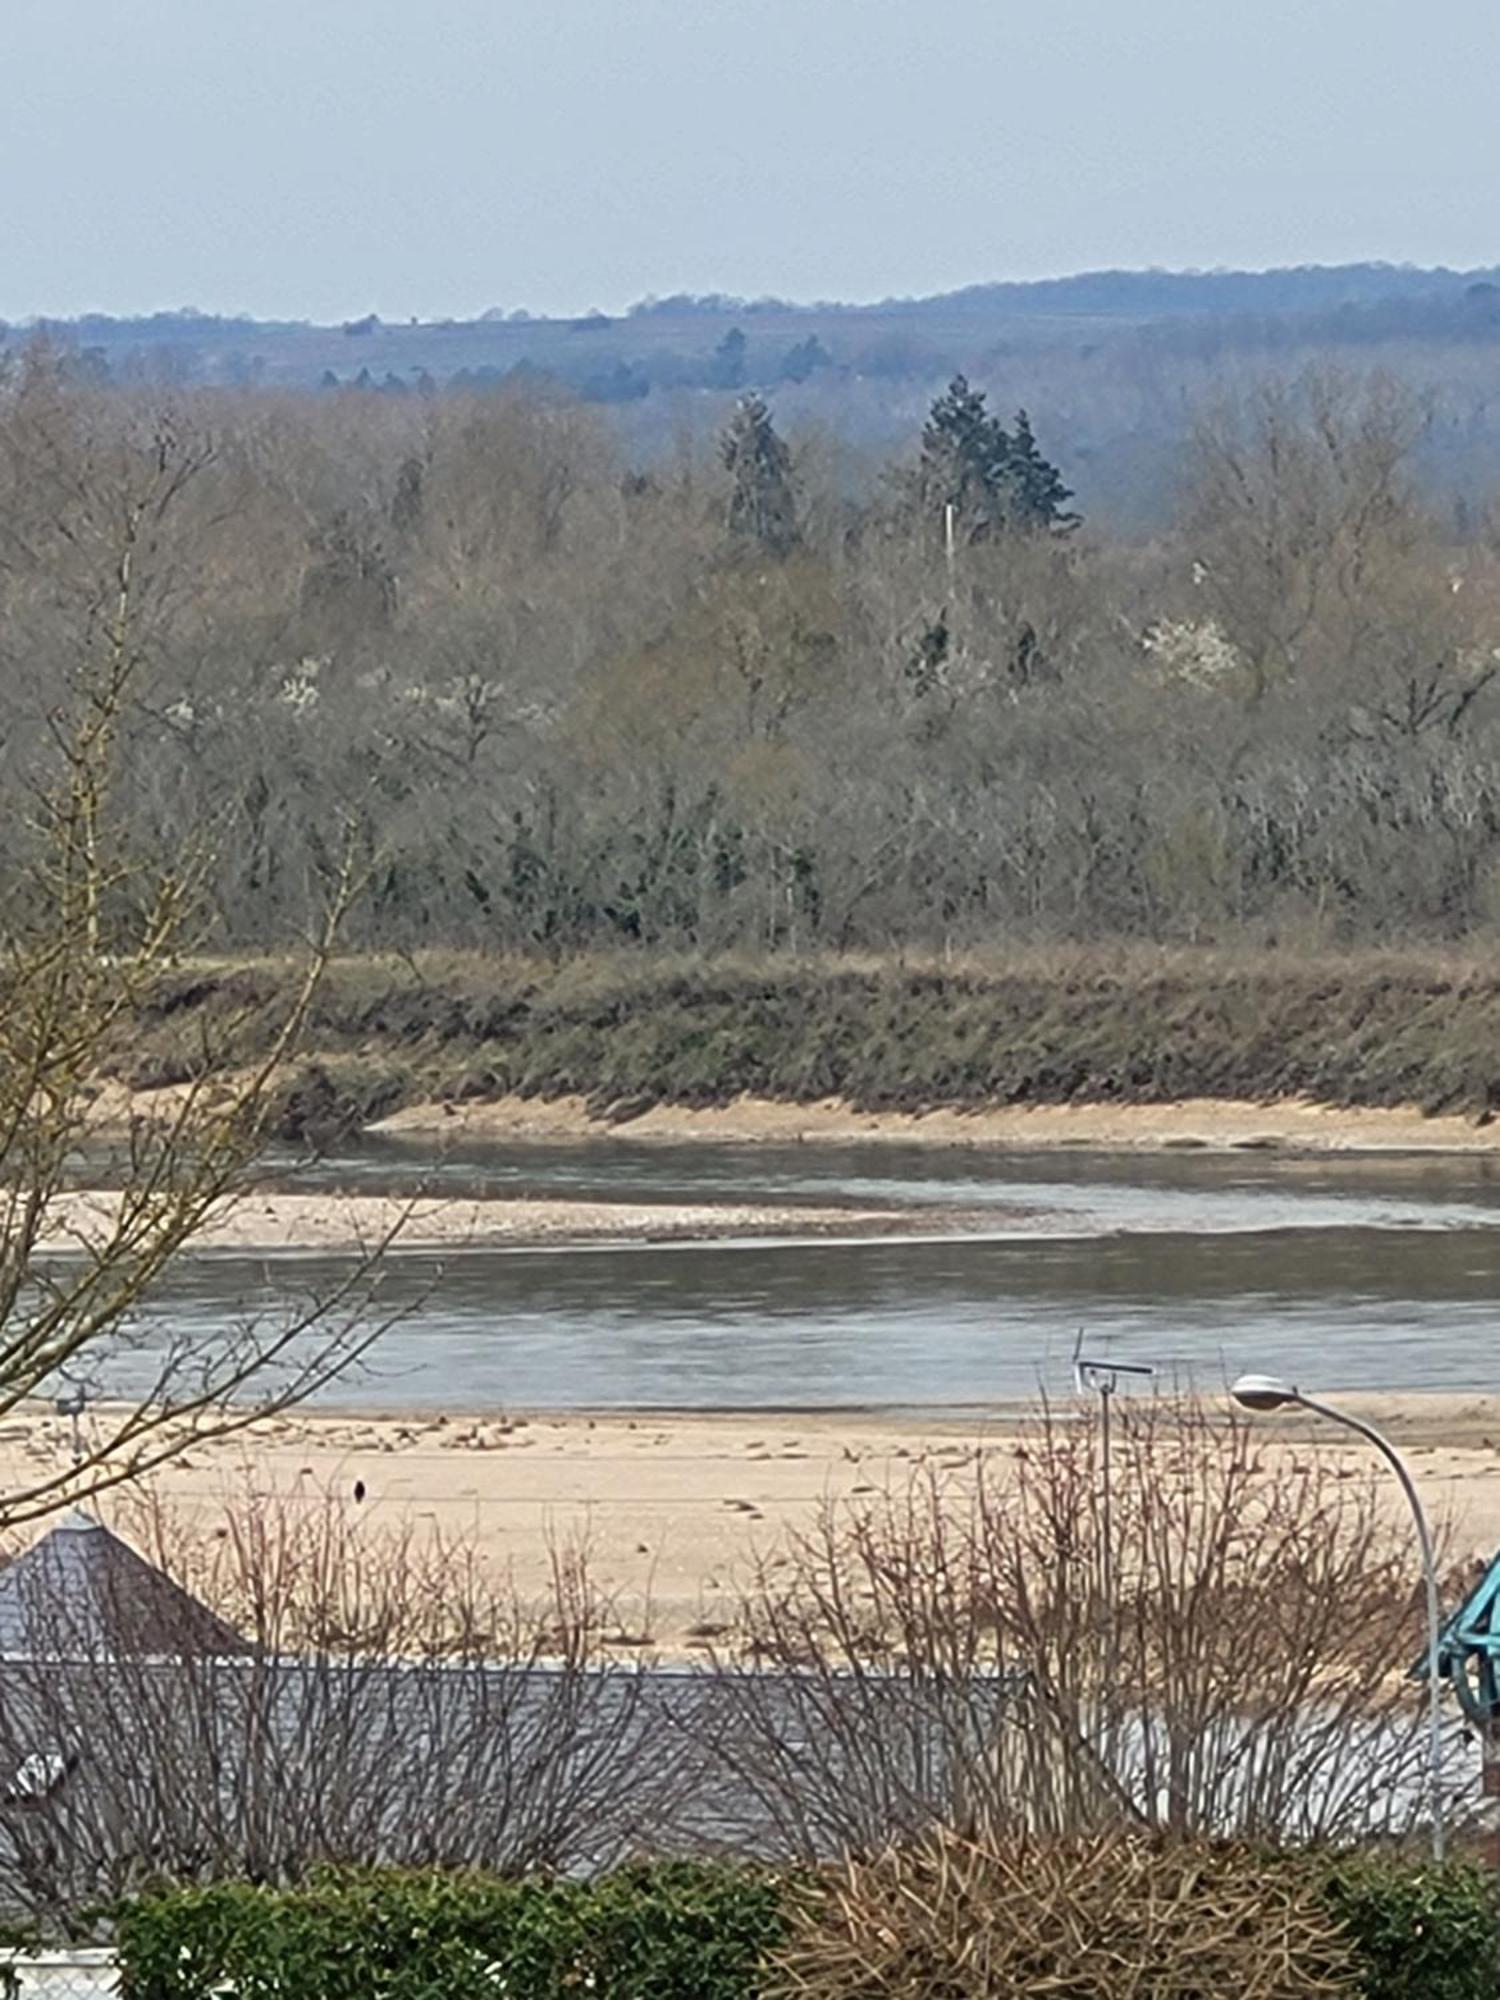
1099 1375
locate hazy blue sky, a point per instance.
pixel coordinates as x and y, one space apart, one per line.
320 158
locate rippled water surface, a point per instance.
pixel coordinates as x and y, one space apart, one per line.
1372 1273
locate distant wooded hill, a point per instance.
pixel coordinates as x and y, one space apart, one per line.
1107 362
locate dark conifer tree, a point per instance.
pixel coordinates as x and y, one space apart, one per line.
991 478
1039 497
762 498
729 360
804 360
960 442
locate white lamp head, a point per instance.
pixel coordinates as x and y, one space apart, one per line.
1263 1392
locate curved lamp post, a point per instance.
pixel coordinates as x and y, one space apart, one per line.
1269 1392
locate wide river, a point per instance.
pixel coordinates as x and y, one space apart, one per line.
1344 1272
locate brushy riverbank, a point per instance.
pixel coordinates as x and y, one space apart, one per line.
1035 1028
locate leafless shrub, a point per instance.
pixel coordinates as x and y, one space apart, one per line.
300 1571
1217 1649
1087 1919
386 1705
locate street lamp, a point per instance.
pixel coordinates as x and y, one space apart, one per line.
1269 1392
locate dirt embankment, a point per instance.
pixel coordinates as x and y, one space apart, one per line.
1114 1042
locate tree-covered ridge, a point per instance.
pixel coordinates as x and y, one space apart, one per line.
1106 363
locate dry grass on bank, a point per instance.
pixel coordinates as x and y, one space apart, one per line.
1058 1026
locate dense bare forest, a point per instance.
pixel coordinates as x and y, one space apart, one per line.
749 695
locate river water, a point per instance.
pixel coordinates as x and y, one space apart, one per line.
1343 1272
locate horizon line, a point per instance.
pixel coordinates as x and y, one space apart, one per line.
712 301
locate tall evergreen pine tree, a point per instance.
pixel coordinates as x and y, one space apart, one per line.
1040 497
762 497
989 476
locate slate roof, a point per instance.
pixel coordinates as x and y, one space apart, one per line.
82 1592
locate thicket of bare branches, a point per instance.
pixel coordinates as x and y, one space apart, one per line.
390 1704
1218 1648
566 708
1090 1918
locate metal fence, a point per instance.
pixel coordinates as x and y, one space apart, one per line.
74 1973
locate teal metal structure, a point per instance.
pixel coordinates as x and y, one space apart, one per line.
1469 1652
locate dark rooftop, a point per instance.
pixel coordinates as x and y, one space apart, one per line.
82 1592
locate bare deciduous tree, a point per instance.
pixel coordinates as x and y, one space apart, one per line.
1221 1653
90 924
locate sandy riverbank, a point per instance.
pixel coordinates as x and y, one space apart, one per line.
1292 1125
341 1222
1225 1124
676 1509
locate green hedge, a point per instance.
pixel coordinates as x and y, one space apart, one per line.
1422 1933
673 1932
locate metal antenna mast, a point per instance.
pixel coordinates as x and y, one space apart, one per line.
1100 1376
